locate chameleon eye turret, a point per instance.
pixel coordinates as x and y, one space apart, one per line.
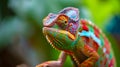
71 12
62 21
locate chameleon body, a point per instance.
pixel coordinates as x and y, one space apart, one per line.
79 38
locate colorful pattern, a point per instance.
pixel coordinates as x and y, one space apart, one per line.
99 42
81 39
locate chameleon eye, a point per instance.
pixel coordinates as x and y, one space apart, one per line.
62 19
65 22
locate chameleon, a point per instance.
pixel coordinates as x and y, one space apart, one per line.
79 38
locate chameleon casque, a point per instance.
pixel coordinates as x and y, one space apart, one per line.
79 38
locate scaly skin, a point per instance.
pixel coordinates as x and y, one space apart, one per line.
80 39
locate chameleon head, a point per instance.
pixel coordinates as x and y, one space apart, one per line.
59 39
57 28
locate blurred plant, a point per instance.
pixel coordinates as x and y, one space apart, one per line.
102 10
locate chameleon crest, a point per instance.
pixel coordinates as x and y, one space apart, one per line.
79 38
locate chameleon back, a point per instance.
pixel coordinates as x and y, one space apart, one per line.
94 37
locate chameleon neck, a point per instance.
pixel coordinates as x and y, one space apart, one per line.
77 54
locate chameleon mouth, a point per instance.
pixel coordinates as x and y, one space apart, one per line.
48 31
50 38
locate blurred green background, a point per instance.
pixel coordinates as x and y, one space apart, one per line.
22 43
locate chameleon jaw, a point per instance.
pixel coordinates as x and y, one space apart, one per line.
56 38
47 30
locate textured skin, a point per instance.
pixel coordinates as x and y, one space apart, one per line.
80 39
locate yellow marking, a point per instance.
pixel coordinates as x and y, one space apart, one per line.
71 36
62 31
45 19
68 33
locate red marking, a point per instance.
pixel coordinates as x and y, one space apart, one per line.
96 31
107 46
83 21
106 59
87 48
69 52
86 39
111 64
84 27
95 45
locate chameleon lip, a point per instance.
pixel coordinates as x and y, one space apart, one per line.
46 29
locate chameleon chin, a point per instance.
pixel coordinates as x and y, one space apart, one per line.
82 40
